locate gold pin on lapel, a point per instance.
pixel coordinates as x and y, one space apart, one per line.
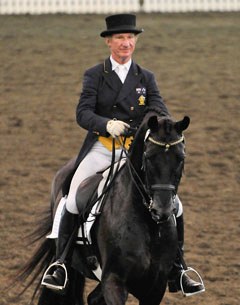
141 100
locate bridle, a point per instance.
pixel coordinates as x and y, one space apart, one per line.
167 146
146 189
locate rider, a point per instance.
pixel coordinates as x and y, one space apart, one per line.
114 97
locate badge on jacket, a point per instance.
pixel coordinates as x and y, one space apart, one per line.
141 100
141 90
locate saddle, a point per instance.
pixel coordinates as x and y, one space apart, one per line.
89 198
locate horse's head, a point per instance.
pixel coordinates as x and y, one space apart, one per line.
163 163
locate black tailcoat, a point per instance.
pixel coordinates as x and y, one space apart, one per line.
104 97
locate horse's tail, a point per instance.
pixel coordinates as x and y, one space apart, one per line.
42 257
45 253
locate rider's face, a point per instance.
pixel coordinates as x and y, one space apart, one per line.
121 46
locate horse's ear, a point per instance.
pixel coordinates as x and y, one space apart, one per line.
153 123
182 125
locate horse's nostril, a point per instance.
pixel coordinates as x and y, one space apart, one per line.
155 214
159 217
164 217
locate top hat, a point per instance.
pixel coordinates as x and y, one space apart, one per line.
121 23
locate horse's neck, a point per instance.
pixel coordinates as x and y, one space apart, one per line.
136 154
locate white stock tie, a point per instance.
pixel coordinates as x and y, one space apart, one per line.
122 72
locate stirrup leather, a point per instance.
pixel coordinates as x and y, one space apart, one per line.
53 266
187 294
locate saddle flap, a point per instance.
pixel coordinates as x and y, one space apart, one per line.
86 193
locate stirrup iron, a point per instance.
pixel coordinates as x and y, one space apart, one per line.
187 294
54 287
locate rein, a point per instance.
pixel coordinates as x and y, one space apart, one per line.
136 178
111 175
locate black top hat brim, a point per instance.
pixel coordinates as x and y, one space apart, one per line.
121 30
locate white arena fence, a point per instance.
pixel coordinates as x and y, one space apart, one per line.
115 6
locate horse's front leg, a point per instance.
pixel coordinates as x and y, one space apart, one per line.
114 290
96 296
156 294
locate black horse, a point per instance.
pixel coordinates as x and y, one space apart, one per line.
135 237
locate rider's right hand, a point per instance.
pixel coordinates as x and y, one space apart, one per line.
116 128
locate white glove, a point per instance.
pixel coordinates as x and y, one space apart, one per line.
116 128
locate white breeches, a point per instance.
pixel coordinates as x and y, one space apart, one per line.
97 159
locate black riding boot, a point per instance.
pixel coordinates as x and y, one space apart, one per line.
56 277
189 286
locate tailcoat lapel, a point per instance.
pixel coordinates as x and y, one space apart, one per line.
110 76
114 82
130 83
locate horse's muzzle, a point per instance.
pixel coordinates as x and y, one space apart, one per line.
160 218
161 213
